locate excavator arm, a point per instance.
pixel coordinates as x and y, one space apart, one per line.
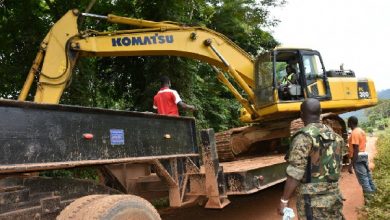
52 63
65 43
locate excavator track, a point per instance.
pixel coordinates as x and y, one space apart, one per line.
233 143
224 147
332 120
238 141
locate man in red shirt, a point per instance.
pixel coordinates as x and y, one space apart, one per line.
166 100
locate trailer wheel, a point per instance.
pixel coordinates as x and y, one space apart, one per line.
75 209
118 207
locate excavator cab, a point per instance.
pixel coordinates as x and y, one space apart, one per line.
290 75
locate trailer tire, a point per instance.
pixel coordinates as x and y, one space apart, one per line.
118 207
75 209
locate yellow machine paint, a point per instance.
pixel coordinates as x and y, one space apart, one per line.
65 43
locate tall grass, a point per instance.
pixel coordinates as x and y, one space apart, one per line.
379 206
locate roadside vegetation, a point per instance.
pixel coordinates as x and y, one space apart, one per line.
378 117
89 173
378 123
379 206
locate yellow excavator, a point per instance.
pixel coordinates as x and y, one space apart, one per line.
269 101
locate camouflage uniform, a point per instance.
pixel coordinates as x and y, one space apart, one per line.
319 146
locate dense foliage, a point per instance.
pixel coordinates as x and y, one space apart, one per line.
379 207
131 82
378 119
378 116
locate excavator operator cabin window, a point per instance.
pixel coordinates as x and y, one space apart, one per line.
280 69
314 75
264 80
287 75
283 60
313 68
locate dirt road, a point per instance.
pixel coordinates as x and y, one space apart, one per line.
350 187
262 205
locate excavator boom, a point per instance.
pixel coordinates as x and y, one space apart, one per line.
64 44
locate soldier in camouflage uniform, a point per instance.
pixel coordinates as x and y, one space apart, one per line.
314 160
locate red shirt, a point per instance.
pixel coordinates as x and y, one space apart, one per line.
165 101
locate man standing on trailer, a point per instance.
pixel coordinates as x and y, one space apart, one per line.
314 165
166 100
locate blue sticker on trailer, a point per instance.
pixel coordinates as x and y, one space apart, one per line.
117 136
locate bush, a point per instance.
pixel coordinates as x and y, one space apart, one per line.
90 173
379 206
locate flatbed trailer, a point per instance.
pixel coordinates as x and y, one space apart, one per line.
135 153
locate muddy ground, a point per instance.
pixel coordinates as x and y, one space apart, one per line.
262 205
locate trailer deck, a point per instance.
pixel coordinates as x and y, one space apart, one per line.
252 163
252 174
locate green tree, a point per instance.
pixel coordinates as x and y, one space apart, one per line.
378 116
